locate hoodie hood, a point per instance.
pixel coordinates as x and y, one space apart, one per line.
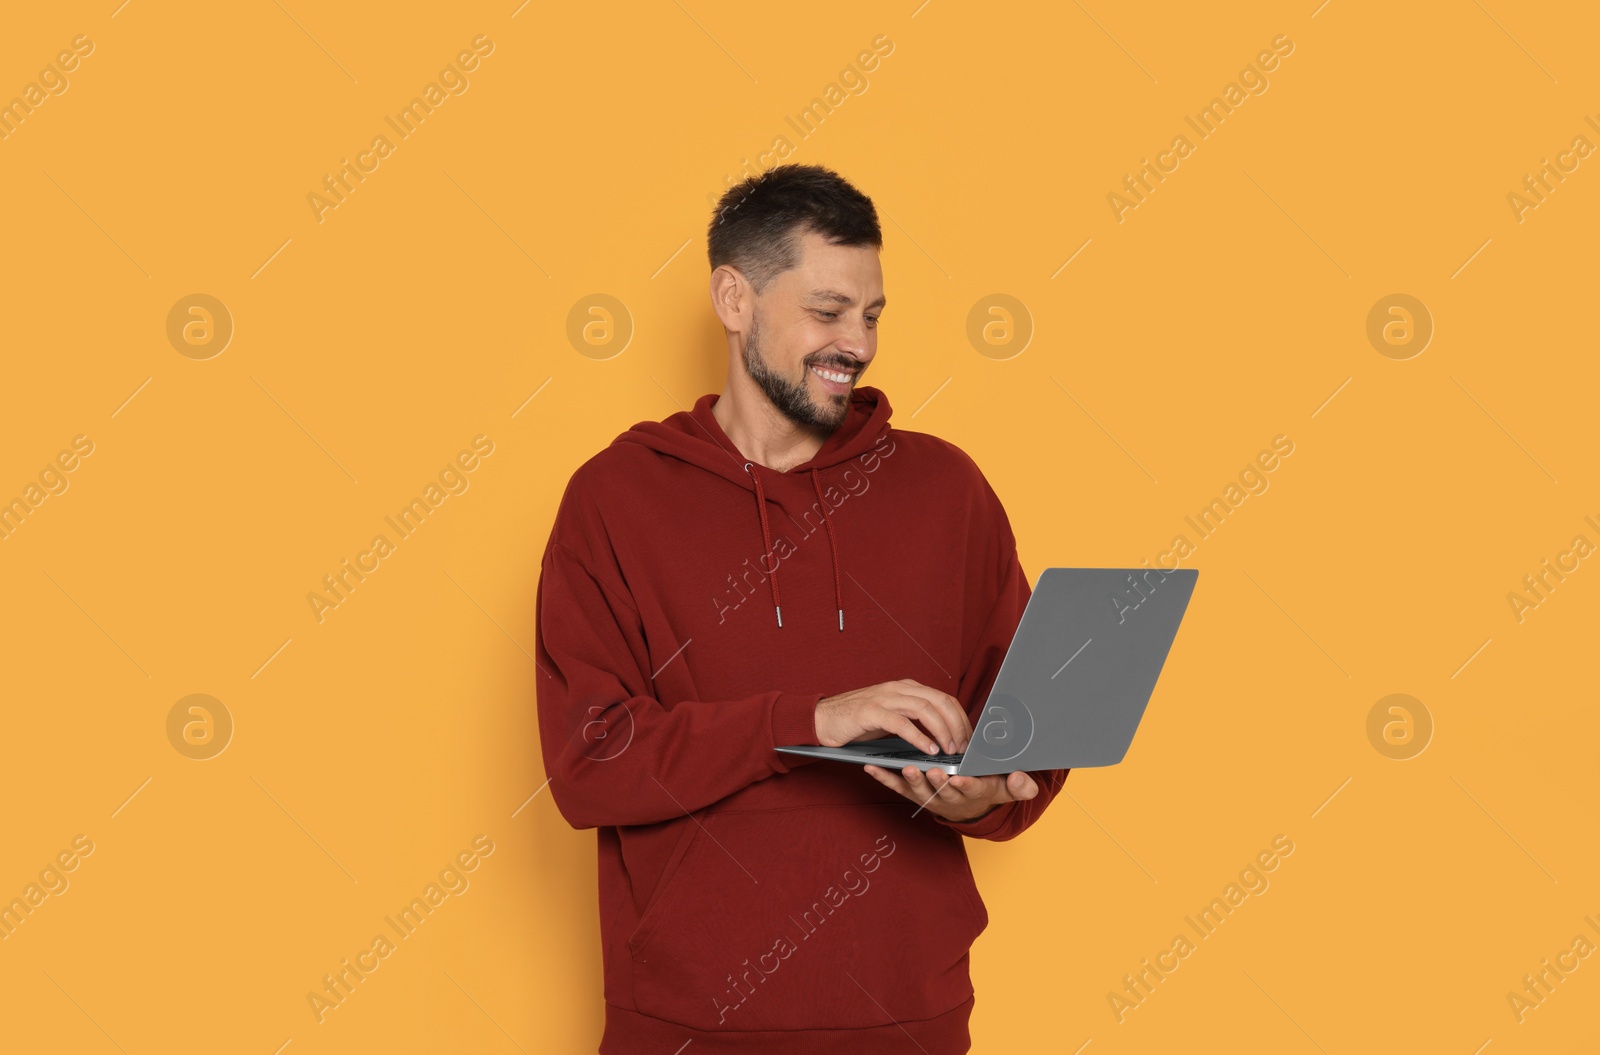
696 437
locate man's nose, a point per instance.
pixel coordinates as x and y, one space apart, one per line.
854 341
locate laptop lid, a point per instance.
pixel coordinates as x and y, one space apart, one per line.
1080 669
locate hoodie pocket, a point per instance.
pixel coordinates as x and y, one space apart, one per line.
690 834
816 917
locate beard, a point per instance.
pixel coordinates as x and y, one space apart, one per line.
791 397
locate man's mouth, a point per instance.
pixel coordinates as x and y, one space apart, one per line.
834 379
833 374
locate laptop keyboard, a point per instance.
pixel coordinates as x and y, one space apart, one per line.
943 760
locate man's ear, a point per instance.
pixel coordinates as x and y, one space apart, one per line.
732 298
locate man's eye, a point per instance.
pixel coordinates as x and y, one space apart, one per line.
827 314
872 320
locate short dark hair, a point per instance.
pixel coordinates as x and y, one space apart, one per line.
757 222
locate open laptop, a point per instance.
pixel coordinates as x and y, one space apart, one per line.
1074 684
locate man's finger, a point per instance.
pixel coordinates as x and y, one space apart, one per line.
947 791
918 789
1020 786
936 720
882 776
890 779
948 707
908 731
902 785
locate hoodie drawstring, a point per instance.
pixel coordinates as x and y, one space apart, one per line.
833 549
770 564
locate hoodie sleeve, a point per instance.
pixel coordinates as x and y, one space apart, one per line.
978 674
614 754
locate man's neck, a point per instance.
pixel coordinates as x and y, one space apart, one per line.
761 432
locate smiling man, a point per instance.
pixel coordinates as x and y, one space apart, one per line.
751 900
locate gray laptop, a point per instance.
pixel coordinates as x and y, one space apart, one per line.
1074 683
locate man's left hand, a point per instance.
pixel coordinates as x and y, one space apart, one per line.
956 798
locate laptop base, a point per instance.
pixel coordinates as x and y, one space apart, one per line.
890 752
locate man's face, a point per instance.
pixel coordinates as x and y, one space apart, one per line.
821 315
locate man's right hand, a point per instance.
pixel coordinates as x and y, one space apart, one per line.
895 708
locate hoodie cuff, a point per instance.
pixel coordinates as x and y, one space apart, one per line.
794 724
984 826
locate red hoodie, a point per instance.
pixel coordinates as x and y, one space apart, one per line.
750 900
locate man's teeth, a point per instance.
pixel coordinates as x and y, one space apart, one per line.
832 375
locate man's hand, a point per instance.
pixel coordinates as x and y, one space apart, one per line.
956 798
895 708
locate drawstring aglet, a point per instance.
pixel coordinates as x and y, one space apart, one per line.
841 619
779 610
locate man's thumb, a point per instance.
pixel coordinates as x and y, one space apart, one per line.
1017 786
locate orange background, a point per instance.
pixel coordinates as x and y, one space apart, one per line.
371 747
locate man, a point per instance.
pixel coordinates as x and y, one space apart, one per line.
779 566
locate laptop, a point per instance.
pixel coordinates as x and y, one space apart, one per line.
1074 683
